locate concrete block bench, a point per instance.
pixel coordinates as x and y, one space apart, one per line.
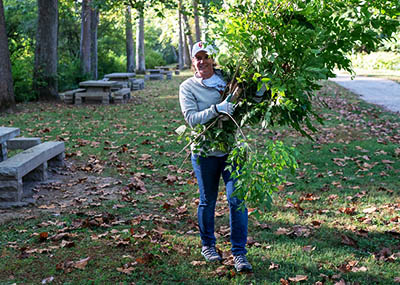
121 96
104 97
168 75
28 165
137 84
154 76
69 96
22 143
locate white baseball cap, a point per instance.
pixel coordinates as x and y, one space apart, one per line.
202 46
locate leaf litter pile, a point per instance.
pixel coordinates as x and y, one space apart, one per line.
124 209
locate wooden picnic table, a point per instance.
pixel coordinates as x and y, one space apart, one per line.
6 134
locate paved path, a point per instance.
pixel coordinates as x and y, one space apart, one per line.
373 90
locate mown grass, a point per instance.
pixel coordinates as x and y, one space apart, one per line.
337 219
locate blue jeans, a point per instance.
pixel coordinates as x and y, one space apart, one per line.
208 172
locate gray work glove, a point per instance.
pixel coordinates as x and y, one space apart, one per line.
225 107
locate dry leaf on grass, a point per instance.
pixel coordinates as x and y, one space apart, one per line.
298 278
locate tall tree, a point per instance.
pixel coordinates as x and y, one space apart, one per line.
187 29
94 22
130 59
85 37
7 100
180 44
45 81
196 20
140 59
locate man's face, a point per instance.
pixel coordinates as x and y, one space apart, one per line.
203 64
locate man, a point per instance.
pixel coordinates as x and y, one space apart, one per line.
200 100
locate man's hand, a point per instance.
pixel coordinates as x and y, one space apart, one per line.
225 106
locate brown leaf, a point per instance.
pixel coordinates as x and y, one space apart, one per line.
146 259
127 268
298 278
284 282
369 210
348 240
67 244
396 279
348 211
197 263
43 236
81 264
308 248
283 231
222 270
273 266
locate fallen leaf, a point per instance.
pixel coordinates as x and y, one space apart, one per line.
284 281
43 236
273 266
348 240
197 263
308 248
48 280
298 278
369 210
81 264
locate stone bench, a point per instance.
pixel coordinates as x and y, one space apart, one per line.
28 165
168 75
137 84
104 97
121 96
69 96
154 76
22 143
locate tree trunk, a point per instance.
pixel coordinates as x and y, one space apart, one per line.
140 59
45 81
180 44
85 37
188 31
94 22
130 57
7 100
196 20
186 53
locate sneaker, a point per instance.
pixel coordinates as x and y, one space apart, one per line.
210 253
241 263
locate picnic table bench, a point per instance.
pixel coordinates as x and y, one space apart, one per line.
155 74
99 90
124 78
29 165
5 135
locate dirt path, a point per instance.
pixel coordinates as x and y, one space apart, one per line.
377 91
68 189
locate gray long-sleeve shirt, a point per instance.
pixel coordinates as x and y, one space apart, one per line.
197 102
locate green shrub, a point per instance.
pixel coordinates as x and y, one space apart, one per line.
22 70
69 75
109 62
153 59
376 60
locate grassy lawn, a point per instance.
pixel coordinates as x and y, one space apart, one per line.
337 221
